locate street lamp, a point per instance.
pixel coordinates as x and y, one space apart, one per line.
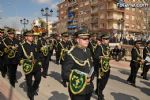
45 12
120 27
24 22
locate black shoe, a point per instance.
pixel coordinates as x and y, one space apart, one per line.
16 81
3 75
141 74
145 78
31 98
128 82
35 93
44 76
64 84
133 84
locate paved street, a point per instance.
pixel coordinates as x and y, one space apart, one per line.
51 89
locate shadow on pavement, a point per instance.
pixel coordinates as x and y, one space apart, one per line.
19 75
146 83
58 96
121 96
145 90
125 72
23 86
2 96
56 76
117 78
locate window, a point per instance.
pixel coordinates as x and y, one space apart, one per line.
133 17
127 16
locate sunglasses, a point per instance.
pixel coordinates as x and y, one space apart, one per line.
84 38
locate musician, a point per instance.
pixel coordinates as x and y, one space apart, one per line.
135 63
11 45
63 47
2 53
146 52
92 44
58 39
43 47
31 64
52 44
101 61
79 58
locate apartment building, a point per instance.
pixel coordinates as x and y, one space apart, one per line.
101 16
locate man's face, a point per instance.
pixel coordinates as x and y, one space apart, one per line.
11 35
30 38
1 34
105 41
83 42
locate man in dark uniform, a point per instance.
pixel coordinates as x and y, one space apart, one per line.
2 53
43 48
11 45
52 44
57 37
146 53
92 44
31 64
135 63
79 59
63 47
101 62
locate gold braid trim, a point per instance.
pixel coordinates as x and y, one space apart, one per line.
139 58
25 53
63 50
77 60
93 47
104 69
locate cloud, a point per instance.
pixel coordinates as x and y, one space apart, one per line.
13 22
42 1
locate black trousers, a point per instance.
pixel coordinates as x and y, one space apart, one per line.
101 84
57 57
145 70
80 97
134 69
12 71
32 86
45 64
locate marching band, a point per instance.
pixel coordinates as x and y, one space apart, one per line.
78 55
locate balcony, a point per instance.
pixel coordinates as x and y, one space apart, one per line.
94 11
94 20
94 2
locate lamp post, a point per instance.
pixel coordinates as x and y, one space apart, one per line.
45 12
120 27
24 22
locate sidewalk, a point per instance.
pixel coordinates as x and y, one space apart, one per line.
7 92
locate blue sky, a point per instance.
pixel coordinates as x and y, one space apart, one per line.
11 11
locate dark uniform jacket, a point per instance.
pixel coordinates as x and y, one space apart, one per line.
8 42
146 50
1 47
92 46
40 43
63 47
28 49
135 57
99 52
69 64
